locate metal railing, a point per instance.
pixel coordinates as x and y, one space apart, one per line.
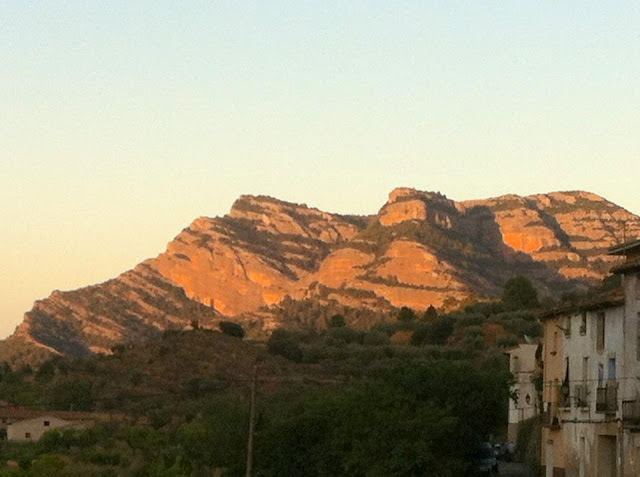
580 393
607 398
631 411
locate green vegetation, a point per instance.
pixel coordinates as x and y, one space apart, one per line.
406 397
231 329
519 294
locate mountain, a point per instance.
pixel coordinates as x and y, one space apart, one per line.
421 249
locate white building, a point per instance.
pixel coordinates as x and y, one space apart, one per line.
592 381
525 405
33 429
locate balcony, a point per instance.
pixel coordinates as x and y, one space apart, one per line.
580 394
631 412
550 417
607 398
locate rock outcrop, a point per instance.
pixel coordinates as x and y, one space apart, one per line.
421 249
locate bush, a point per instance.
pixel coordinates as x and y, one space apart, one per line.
431 314
434 333
519 294
336 321
284 343
507 342
485 308
375 338
343 335
475 319
406 314
231 329
473 331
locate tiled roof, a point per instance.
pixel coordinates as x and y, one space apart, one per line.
629 265
624 247
23 412
609 299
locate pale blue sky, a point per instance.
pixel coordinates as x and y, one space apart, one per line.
120 122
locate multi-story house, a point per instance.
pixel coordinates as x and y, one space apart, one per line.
592 381
524 403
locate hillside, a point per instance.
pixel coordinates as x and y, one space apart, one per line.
421 249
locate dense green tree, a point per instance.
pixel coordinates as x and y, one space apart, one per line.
406 314
430 314
337 321
519 294
435 332
231 329
284 343
72 395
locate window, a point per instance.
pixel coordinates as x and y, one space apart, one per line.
638 287
515 365
583 323
567 327
554 344
4 420
27 435
600 331
611 371
46 423
600 374
585 370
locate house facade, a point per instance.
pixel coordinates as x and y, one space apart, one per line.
591 382
33 429
525 404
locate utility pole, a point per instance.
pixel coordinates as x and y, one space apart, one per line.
252 421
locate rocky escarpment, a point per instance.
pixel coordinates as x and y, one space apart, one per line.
421 249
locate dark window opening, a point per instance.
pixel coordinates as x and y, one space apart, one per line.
600 326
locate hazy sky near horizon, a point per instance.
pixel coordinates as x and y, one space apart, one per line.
120 122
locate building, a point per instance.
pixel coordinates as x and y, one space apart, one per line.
18 421
524 367
34 428
591 382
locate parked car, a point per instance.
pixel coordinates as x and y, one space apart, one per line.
485 461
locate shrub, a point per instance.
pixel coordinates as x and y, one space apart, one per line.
337 321
284 343
343 335
507 342
519 294
475 319
433 333
375 338
231 329
430 314
406 314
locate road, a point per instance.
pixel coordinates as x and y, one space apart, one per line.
514 469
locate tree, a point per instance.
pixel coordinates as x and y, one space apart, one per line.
337 321
284 343
72 395
231 329
406 314
519 294
431 313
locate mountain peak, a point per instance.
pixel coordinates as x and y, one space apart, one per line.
424 249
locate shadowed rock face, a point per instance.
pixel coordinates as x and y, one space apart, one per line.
421 249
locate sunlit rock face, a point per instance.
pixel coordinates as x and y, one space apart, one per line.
421 249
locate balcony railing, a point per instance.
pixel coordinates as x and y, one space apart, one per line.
607 398
631 412
580 392
550 417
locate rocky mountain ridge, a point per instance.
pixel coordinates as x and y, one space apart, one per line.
421 249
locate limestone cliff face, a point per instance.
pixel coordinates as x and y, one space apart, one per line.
421 249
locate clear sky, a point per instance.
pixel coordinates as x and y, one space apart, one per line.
121 121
